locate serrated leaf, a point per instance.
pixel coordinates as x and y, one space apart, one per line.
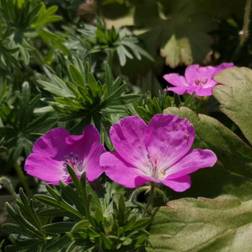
235 97
203 225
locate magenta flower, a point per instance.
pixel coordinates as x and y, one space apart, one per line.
198 80
223 66
57 148
159 152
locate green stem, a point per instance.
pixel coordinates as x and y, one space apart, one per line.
244 33
178 100
135 193
22 179
6 183
151 197
110 56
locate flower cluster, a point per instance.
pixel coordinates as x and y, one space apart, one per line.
198 80
159 152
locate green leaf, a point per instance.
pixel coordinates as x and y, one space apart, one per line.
171 52
205 225
185 51
58 244
121 55
54 39
57 87
235 97
81 225
76 75
18 216
59 204
233 172
58 227
46 16
177 52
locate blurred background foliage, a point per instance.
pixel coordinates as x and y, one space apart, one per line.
72 62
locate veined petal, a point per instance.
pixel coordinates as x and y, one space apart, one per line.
176 80
94 170
193 161
81 145
57 148
195 72
168 139
178 185
127 137
120 171
46 168
53 144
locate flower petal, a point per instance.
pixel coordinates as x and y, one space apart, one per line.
195 73
45 168
127 137
175 80
169 138
190 73
81 145
94 170
177 90
53 143
179 185
223 66
203 91
195 160
121 172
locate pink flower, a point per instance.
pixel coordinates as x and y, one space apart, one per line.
198 80
223 66
159 152
57 148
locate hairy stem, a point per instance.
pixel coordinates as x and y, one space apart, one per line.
151 197
244 33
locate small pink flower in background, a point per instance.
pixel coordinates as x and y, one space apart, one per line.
57 148
223 66
159 152
197 80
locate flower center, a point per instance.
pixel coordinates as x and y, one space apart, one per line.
201 82
152 169
75 163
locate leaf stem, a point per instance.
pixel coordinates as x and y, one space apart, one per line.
244 33
22 178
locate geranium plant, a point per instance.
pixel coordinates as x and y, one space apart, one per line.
125 126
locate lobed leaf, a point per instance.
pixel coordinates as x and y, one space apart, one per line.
235 96
203 225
